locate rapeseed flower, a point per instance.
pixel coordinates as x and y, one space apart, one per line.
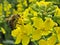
57 29
19 7
8 13
57 12
41 3
43 42
26 12
22 33
25 3
31 26
20 36
44 26
7 7
49 24
15 11
36 35
34 13
37 22
50 41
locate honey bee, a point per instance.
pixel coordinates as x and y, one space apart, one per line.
11 21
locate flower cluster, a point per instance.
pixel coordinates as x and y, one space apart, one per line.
38 24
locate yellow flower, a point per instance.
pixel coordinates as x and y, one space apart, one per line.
57 12
14 11
18 39
3 30
7 6
22 33
25 40
25 13
28 29
28 11
49 41
37 22
44 32
7 13
33 12
52 40
48 24
43 42
15 32
36 35
42 3
45 26
57 29
25 3
19 7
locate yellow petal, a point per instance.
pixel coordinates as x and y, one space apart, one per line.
36 35
43 3
58 35
52 40
37 22
43 42
49 24
57 29
15 32
25 40
18 39
57 13
49 41
3 30
28 29
45 32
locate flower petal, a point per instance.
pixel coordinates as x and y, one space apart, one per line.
25 40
